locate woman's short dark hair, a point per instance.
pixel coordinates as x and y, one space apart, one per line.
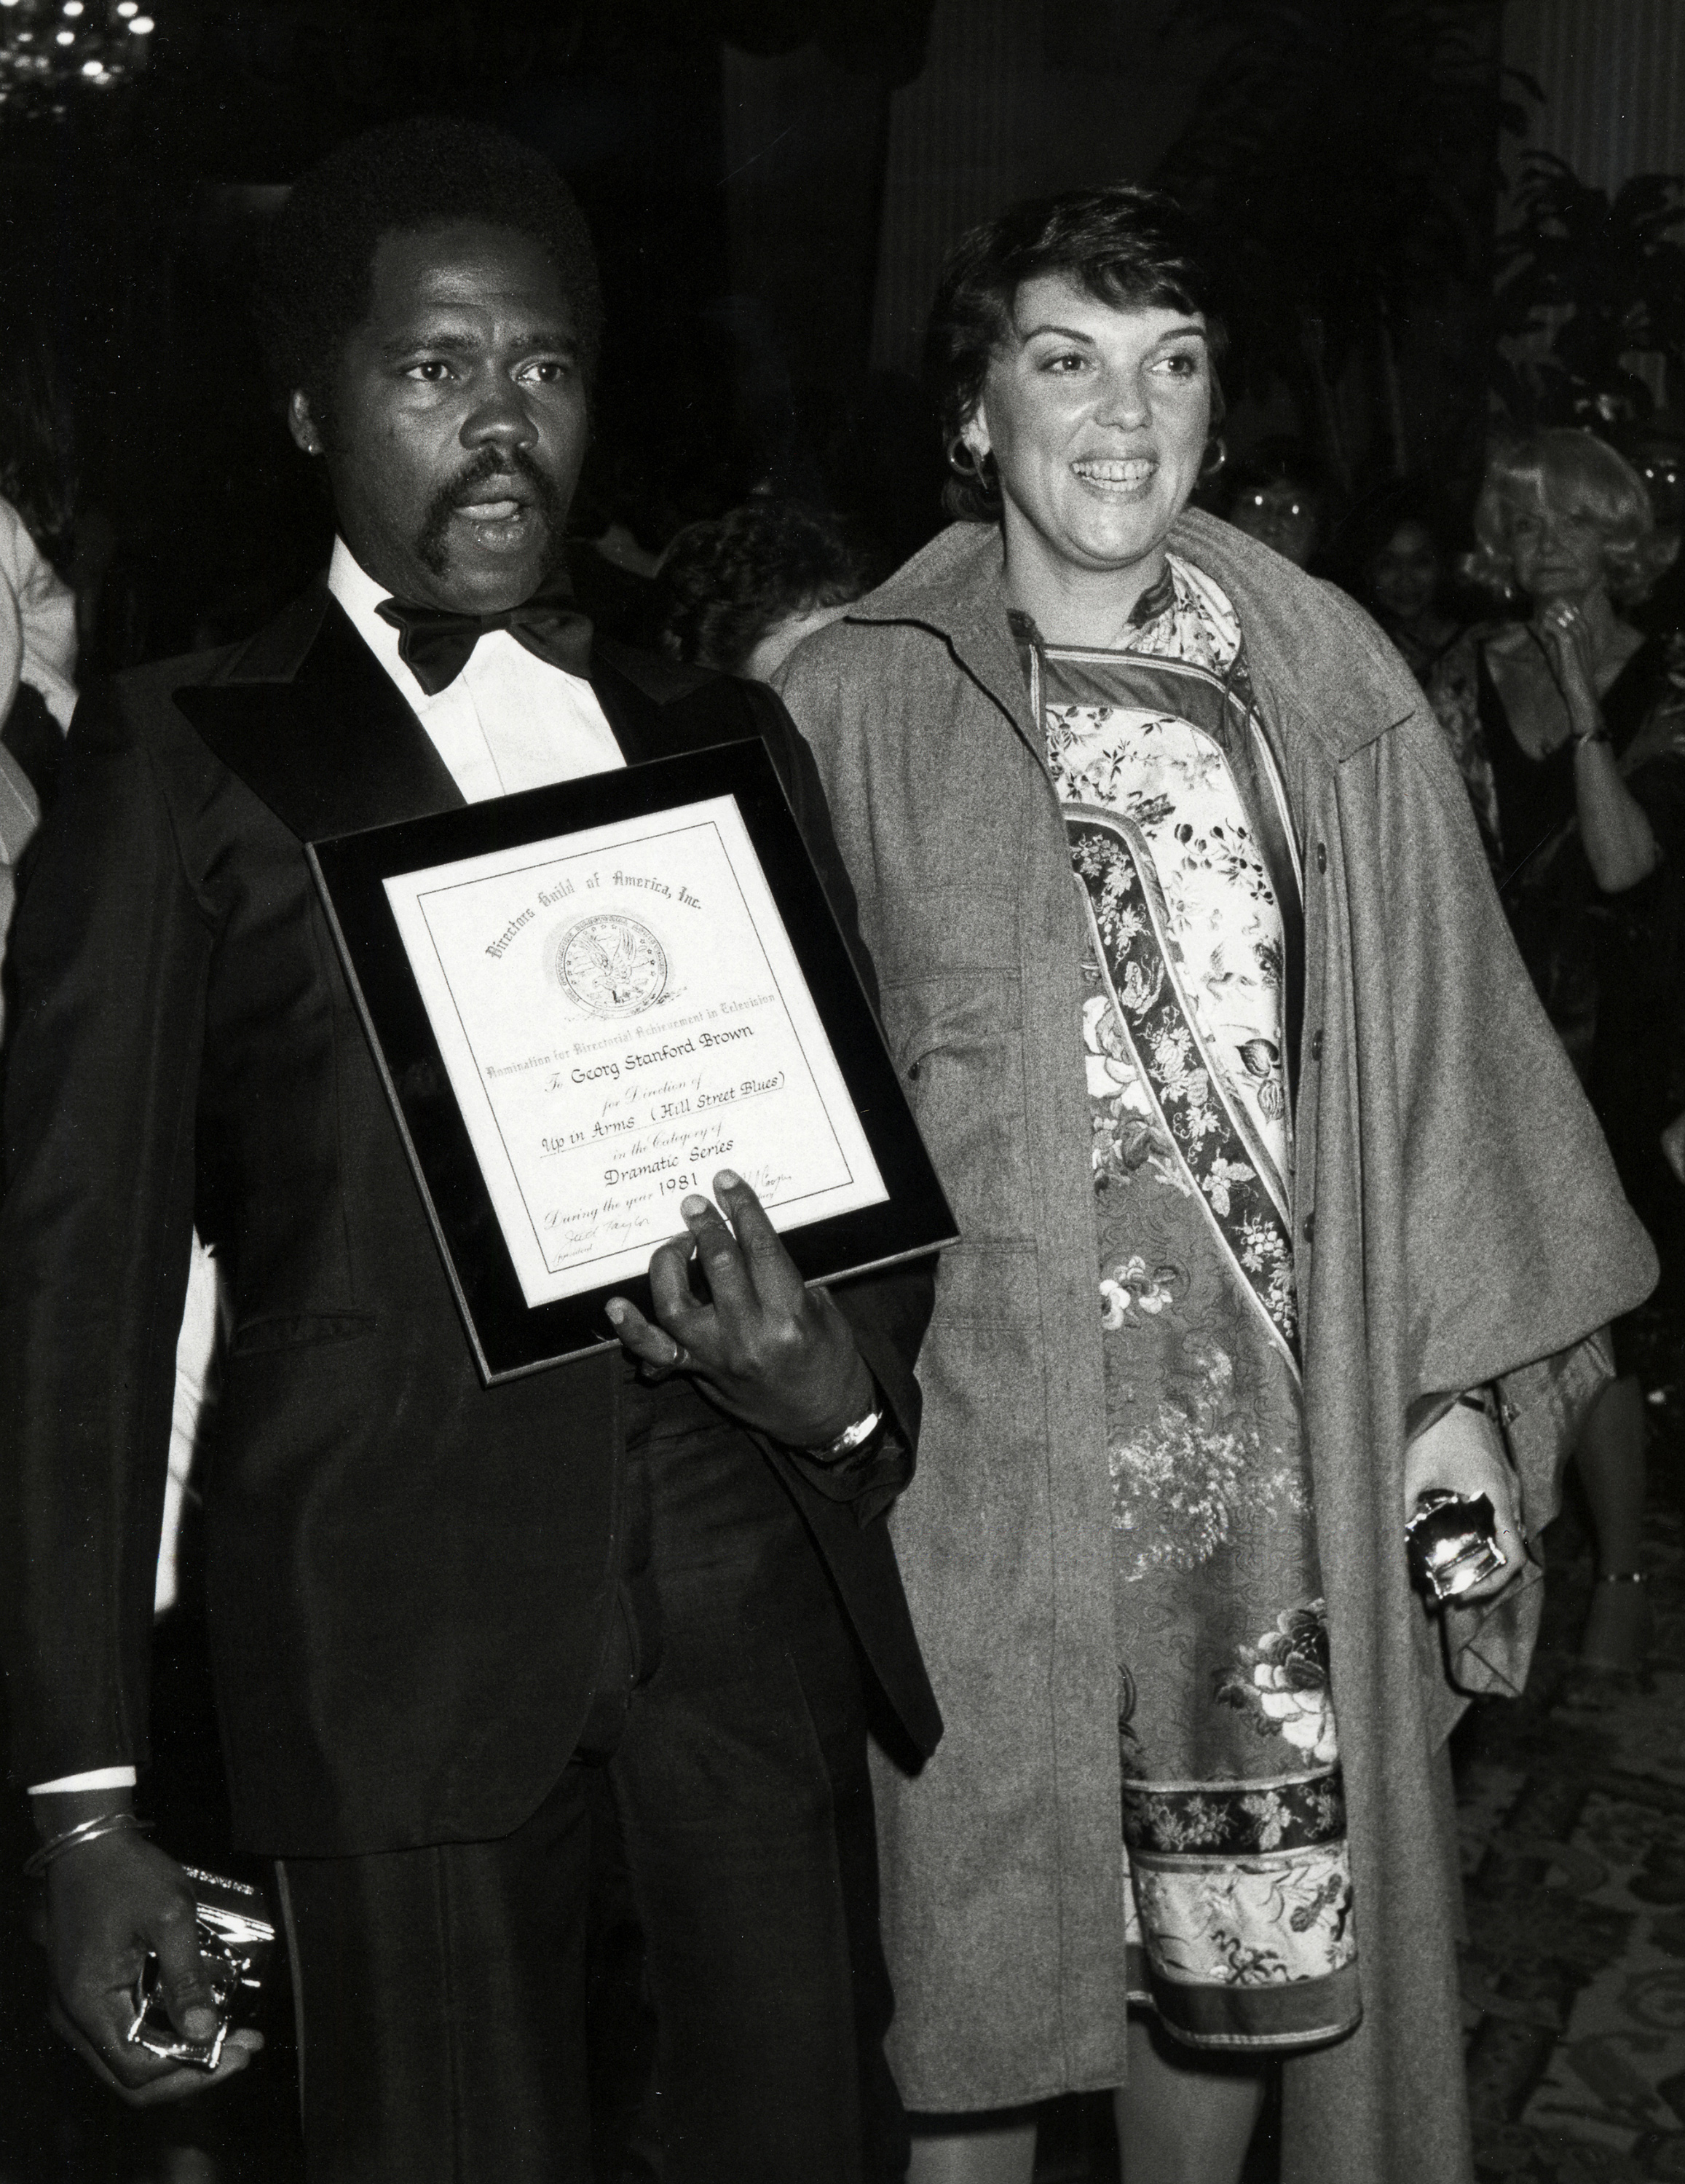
316 268
727 581
1131 248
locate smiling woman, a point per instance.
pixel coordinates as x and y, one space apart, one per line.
1083 426
1176 905
1096 420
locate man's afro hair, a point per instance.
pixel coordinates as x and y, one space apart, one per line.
315 268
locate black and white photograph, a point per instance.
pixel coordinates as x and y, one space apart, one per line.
842 1091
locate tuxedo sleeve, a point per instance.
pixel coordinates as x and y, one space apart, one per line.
888 1311
107 965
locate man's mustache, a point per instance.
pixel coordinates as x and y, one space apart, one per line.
488 465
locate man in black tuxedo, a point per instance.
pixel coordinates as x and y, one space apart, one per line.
455 1630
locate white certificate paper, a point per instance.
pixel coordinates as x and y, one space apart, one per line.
620 1014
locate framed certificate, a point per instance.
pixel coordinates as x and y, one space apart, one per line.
586 1000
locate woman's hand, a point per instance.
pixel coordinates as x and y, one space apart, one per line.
1462 1453
107 1904
1568 638
1673 1146
1621 845
767 1349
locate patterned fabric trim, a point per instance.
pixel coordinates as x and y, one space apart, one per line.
1227 1168
1158 599
1237 1819
1242 2018
1253 1948
1221 706
1223 710
1262 1922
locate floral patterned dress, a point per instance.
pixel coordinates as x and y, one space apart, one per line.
1241 1930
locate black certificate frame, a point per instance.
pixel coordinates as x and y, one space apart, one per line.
508 1337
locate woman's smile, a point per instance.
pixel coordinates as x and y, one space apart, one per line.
1111 476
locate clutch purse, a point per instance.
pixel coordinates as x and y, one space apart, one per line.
235 1939
1451 1542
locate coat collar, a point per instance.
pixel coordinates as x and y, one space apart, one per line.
957 587
307 717
1316 661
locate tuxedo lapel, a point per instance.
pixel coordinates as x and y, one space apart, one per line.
307 717
658 708
635 717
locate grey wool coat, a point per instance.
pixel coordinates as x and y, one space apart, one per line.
1458 1221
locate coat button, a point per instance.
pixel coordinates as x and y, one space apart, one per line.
1316 1046
1310 1227
913 1073
1322 857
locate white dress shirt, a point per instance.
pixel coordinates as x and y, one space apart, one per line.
508 721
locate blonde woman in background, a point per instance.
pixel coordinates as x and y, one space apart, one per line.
1576 768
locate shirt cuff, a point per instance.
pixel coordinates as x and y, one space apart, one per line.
99 1778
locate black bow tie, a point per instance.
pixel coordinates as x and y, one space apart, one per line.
434 642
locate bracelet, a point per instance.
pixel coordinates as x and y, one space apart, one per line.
102 1824
852 1439
1599 734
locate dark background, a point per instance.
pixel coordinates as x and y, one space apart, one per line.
769 241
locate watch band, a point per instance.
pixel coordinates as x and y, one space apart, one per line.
853 1438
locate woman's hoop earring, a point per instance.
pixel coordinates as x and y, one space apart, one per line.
965 462
1216 454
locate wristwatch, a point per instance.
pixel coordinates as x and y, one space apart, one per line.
853 1438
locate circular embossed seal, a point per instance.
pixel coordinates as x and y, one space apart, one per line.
611 965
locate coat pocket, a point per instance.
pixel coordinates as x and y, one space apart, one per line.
295 1330
956 1040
